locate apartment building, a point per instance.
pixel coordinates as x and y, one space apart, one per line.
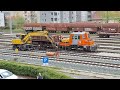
30 16
52 16
63 16
49 17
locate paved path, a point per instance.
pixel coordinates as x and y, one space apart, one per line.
25 77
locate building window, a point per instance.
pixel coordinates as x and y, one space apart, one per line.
51 19
89 16
55 13
45 14
51 13
89 11
55 19
45 20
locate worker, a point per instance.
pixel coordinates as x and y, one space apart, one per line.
39 76
57 53
16 50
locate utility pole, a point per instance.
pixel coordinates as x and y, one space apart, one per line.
10 20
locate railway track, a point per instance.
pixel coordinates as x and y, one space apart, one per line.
107 41
91 55
109 47
117 39
106 47
73 53
108 44
70 60
91 63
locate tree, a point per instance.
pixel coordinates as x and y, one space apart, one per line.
18 21
111 15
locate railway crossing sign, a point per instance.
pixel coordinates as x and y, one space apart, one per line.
45 60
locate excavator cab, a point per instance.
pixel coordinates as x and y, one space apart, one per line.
21 36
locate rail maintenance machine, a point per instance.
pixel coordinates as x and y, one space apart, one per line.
40 39
33 39
78 41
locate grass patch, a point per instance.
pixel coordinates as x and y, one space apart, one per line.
32 70
13 30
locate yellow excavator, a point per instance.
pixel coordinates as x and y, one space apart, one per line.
33 40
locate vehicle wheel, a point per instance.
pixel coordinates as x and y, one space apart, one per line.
100 36
69 48
14 47
22 48
108 36
93 49
84 49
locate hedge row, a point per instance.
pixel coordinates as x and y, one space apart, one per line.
31 70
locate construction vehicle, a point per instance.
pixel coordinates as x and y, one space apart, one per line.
39 38
78 41
33 40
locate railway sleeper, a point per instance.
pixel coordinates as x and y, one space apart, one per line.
115 58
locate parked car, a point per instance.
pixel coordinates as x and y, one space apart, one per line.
5 74
1 33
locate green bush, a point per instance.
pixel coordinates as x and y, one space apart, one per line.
31 70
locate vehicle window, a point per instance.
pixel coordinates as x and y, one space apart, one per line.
76 37
6 74
73 37
22 36
17 36
0 76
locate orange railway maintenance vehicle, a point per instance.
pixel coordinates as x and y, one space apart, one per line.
78 41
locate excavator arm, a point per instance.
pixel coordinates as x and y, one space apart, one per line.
52 41
27 38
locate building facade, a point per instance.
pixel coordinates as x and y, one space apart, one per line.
52 16
63 16
49 17
30 16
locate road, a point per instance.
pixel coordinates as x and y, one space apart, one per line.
25 77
